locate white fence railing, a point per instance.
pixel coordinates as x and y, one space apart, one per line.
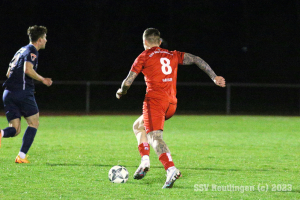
228 88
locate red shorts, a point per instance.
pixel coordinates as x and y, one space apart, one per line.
155 112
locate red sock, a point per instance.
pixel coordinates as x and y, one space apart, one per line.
144 149
166 160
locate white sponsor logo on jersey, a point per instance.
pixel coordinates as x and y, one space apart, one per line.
167 79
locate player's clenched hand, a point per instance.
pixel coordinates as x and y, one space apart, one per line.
47 81
120 93
220 81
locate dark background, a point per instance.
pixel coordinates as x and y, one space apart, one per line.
244 41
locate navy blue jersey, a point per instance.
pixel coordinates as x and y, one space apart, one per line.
18 80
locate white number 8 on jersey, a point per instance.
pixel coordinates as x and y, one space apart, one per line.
166 68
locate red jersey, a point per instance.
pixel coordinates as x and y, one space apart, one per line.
159 67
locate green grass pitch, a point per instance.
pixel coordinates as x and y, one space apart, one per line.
71 156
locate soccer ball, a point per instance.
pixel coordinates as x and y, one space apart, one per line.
118 174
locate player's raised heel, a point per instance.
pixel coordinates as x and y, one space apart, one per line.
20 160
172 176
142 170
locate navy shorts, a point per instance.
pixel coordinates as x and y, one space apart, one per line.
19 103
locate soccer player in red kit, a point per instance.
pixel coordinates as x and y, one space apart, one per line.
159 67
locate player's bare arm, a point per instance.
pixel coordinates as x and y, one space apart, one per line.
8 72
190 59
28 69
126 84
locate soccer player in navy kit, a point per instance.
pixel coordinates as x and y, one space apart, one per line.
18 96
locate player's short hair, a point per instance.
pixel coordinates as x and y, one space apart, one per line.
35 32
152 35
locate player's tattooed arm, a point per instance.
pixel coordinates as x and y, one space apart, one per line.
126 84
128 81
190 59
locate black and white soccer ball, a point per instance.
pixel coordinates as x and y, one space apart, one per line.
118 174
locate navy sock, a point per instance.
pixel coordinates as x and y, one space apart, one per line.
9 132
28 139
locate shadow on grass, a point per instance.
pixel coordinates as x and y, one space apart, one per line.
96 165
135 166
